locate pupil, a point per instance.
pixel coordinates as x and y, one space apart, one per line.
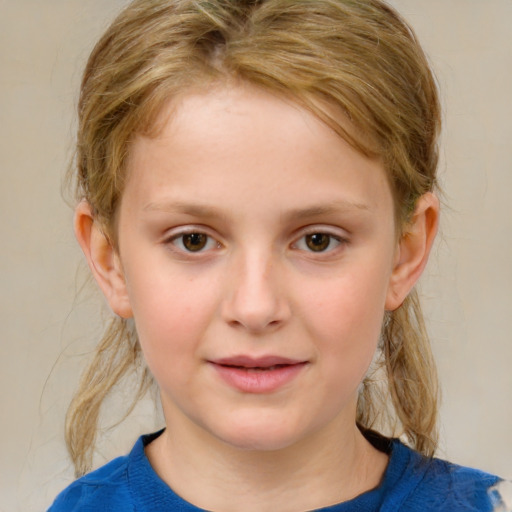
318 241
194 241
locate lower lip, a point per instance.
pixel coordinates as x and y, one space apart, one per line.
258 381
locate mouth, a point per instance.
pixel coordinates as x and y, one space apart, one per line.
259 363
258 375
258 368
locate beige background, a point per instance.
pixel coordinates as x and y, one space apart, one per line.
45 326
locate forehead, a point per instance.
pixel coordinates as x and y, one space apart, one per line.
245 142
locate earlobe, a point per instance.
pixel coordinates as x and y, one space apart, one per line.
103 260
413 250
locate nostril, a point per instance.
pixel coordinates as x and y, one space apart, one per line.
255 327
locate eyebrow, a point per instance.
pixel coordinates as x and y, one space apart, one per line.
333 207
192 209
198 210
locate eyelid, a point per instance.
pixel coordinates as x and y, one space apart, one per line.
176 233
333 233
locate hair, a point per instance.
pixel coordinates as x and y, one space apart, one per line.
341 59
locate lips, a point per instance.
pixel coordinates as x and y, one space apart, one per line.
258 375
265 362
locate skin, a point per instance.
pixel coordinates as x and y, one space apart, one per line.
257 174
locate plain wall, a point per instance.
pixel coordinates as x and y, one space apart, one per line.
46 326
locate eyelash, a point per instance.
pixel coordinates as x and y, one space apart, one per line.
207 242
178 241
323 248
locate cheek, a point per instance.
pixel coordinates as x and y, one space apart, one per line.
354 301
171 314
345 319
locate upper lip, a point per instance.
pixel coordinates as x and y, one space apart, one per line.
245 361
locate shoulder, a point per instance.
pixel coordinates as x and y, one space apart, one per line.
435 484
456 487
103 489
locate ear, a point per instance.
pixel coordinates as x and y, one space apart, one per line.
103 260
413 250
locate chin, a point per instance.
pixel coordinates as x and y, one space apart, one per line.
259 435
262 443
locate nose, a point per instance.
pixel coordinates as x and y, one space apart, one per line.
255 299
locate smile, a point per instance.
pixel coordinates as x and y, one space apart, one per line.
257 375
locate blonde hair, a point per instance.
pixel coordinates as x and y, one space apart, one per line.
359 57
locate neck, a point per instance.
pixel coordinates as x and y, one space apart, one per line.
332 466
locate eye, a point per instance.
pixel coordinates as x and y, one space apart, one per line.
194 242
318 242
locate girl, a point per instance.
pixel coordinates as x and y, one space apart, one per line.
255 185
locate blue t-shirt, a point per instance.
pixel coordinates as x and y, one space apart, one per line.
411 483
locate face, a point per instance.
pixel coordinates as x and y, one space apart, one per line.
256 249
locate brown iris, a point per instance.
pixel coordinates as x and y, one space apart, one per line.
194 242
318 241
